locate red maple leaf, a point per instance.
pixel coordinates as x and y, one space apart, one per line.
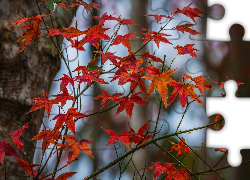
189 12
87 6
157 37
88 76
42 102
109 56
78 45
124 39
104 18
64 97
170 170
159 80
106 96
48 137
94 34
75 147
151 58
139 137
23 20
200 82
127 103
186 28
68 33
180 147
124 137
159 17
184 92
28 167
68 119
6 150
187 49
65 81
140 82
16 136
32 30
125 21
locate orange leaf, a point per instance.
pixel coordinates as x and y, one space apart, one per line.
180 147
221 150
65 176
75 147
160 81
200 82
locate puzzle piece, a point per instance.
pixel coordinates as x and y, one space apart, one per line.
235 112
234 13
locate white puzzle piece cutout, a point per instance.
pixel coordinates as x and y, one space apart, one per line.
236 12
235 134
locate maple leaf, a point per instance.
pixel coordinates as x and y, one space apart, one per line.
187 49
42 102
127 103
170 170
23 20
88 76
160 81
124 39
184 92
87 6
189 12
186 28
106 96
159 168
151 57
221 150
28 167
94 34
16 136
65 81
137 137
124 137
68 33
200 82
109 56
32 30
125 21
75 147
157 37
68 119
63 97
6 150
140 83
180 147
78 45
48 137
104 18
159 17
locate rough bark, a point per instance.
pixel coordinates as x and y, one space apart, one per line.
24 76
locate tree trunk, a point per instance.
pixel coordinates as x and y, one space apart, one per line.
24 76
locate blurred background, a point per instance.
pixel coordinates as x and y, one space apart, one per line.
215 60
